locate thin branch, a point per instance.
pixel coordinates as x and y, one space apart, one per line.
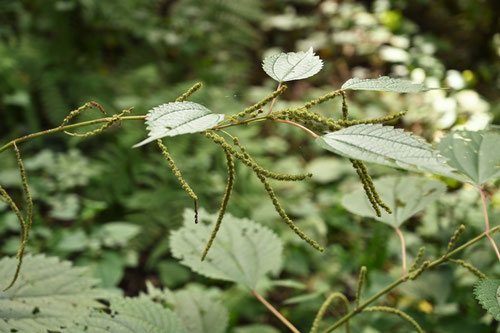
275 312
487 222
272 103
299 126
403 249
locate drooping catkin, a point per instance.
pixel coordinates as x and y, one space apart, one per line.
359 286
177 173
397 312
82 108
188 93
471 268
385 119
418 259
345 108
259 105
114 119
322 99
366 186
325 305
370 183
26 190
454 239
225 200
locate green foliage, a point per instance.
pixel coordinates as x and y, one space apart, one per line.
474 154
487 294
291 66
405 195
178 118
384 83
244 252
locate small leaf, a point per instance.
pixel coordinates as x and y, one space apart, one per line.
48 294
292 66
384 83
178 118
386 145
131 315
475 154
406 196
243 251
487 293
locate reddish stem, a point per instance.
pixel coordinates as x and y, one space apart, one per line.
275 312
403 249
273 101
487 222
297 125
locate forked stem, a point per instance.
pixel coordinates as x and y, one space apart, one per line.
403 249
487 222
275 312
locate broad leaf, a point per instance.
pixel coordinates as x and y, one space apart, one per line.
131 315
47 295
384 83
199 310
387 146
292 66
487 293
178 118
243 251
405 195
475 154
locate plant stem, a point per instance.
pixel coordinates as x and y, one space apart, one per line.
403 279
403 249
299 126
272 103
487 222
275 312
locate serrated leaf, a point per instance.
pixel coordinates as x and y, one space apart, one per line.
292 66
47 295
178 118
198 309
475 154
384 83
389 146
405 195
243 251
131 315
487 293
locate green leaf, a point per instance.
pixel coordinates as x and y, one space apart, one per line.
292 66
405 195
47 295
199 309
131 315
387 146
475 154
117 234
255 329
384 83
243 251
178 118
487 293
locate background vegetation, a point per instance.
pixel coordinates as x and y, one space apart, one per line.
102 204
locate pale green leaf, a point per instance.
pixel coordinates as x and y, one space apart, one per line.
178 118
243 251
384 83
487 293
389 146
475 154
405 195
255 329
292 66
47 295
131 315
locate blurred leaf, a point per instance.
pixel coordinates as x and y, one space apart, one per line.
384 83
405 195
118 233
386 145
172 274
47 295
292 66
475 154
255 329
109 269
487 294
178 118
73 241
243 251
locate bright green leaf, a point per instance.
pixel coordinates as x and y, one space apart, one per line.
405 195
47 295
243 251
389 146
178 118
384 83
475 154
292 66
487 293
